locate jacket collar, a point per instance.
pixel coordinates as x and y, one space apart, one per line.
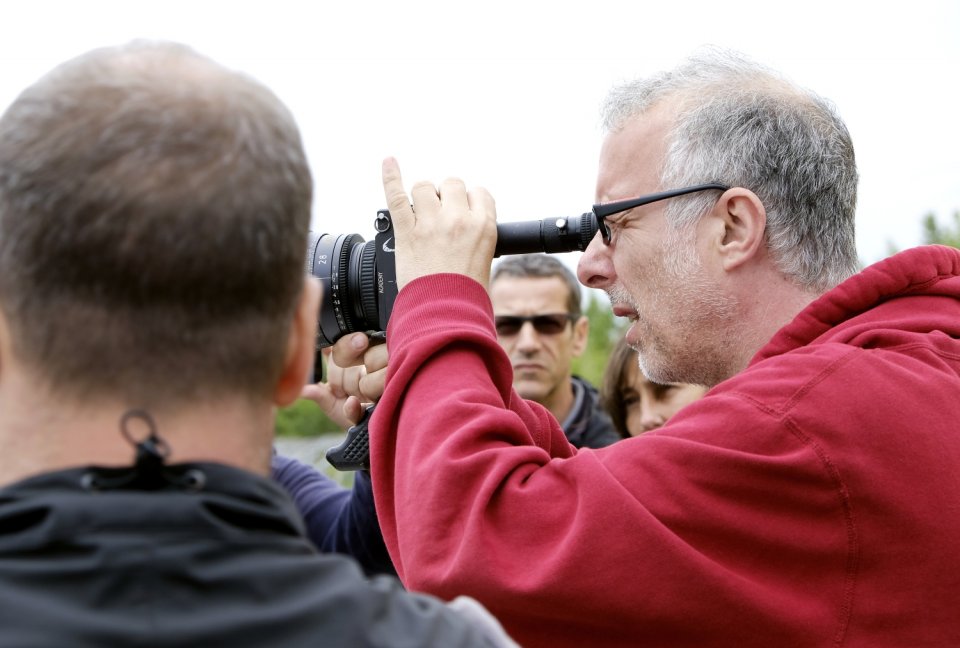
932 270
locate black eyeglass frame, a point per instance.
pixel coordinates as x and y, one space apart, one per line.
601 211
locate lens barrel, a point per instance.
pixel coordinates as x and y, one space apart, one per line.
549 235
345 266
353 292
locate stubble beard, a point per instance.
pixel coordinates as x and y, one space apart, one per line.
688 345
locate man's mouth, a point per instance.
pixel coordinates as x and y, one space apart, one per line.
527 366
621 310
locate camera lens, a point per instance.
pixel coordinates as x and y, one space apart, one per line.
346 268
360 282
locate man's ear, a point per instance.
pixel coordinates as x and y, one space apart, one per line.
581 331
301 345
739 223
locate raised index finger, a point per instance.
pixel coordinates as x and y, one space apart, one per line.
397 200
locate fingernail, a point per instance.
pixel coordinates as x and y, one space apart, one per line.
358 342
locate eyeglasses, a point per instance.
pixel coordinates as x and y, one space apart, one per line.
611 208
547 324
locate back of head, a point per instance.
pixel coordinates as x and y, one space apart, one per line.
740 124
540 266
154 208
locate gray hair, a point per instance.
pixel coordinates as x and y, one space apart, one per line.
526 266
741 124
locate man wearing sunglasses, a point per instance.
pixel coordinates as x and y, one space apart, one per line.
810 498
541 327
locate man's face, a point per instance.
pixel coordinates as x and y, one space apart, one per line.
541 361
656 276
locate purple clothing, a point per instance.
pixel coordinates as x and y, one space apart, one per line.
337 519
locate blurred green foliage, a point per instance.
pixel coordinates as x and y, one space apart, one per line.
304 418
605 330
936 234
933 232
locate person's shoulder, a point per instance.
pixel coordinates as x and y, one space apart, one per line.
782 380
585 384
598 429
336 602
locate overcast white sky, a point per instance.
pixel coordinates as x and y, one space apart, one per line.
506 94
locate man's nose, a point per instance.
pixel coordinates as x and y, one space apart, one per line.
596 265
527 338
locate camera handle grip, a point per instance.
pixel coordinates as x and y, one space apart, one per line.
353 453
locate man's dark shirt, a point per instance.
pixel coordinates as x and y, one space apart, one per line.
588 425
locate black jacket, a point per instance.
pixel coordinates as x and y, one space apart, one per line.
588 425
212 556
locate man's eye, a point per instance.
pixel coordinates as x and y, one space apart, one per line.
617 219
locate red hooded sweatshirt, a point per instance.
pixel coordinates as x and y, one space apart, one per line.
811 500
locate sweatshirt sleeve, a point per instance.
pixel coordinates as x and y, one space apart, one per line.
337 519
457 456
667 537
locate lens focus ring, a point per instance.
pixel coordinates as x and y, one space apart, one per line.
368 285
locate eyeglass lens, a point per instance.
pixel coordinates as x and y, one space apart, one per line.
549 324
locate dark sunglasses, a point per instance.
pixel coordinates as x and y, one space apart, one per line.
611 208
548 324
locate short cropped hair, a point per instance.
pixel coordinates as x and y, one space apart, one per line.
741 124
154 209
529 266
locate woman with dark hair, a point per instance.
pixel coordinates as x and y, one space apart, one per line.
635 404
